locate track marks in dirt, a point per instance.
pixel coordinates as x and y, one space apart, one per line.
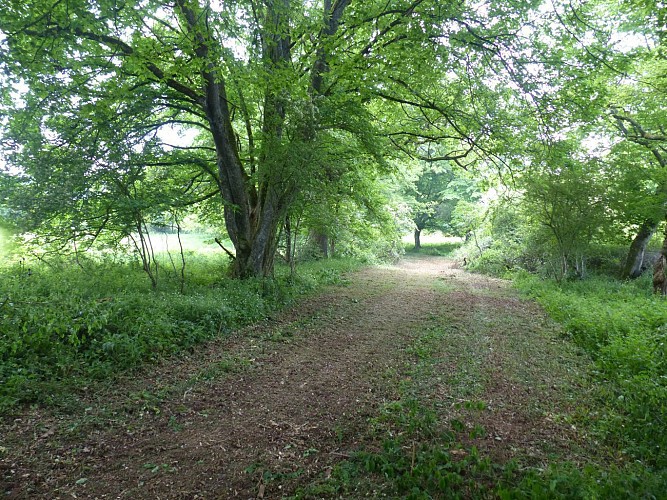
287 399
291 414
510 357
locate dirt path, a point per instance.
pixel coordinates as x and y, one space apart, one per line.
275 406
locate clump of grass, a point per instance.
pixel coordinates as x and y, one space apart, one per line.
567 480
417 460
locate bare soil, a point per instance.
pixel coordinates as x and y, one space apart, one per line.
272 407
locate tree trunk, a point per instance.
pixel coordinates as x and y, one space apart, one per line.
255 207
659 278
288 240
635 259
324 245
418 243
241 203
321 242
256 259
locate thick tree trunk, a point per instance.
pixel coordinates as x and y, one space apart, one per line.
238 194
418 243
635 259
257 259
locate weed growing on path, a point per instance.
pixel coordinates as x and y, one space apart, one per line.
418 453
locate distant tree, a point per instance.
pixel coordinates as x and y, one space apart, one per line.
433 194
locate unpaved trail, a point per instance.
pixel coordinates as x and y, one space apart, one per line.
278 404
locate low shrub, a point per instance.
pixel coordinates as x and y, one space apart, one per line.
624 329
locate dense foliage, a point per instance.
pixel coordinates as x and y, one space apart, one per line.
281 98
63 328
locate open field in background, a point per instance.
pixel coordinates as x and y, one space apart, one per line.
162 242
434 244
431 238
5 242
192 242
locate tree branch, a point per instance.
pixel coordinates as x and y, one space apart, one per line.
403 14
125 49
231 255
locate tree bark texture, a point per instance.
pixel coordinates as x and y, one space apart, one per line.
252 212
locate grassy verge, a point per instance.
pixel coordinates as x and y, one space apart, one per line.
623 327
63 328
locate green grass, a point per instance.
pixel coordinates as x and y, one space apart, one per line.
420 454
442 249
623 327
62 328
573 481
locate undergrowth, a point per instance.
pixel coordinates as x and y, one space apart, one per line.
62 327
623 327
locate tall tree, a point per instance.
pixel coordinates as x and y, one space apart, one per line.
263 82
102 58
433 194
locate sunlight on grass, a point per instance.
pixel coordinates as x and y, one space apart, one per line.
435 238
5 244
435 244
194 242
